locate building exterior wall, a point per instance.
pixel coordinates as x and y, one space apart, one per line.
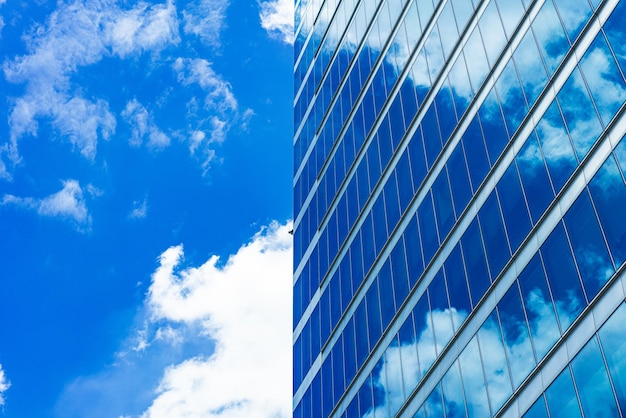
460 208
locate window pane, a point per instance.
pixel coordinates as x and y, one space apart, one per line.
562 402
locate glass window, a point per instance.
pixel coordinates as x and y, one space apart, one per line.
474 381
394 384
556 146
452 390
432 135
366 399
433 405
476 153
561 397
494 362
459 180
603 79
416 157
513 204
374 325
399 272
349 350
492 32
592 381
538 410
385 285
477 66
594 262
608 192
428 230
562 276
410 362
530 67
534 177
460 305
475 263
516 335
511 97
494 237
424 332
360 324
443 203
440 311
579 113
415 264
544 329
614 346
550 36
574 14
616 34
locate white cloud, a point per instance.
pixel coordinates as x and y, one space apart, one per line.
140 209
205 19
77 35
277 19
4 385
143 126
245 307
68 203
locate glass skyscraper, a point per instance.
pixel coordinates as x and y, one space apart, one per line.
460 208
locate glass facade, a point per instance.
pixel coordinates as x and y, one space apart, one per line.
460 208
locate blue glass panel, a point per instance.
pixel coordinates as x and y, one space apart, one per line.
360 324
476 153
544 329
424 332
580 116
494 362
367 238
366 399
592 382
338 372
459 180
415 263
399 272
603 79
356 275
538 410
609 196
562 277
405 185
316 395
551 38
594 262
396 121
451 387
534 177
379 382
473 378
324 305
327 386
475 263
416 157
394 384
385 285
519 351
614 346
434 404
349 351
494 130
574 14
530 67
443 204
380 226
614 29
561 397
345 282
446 114
513 204
440 311
428 231
511 96
392 204
297 364
494 237
432 135
335 299
384 141
373 163
556 146
374 325
364 189
410 362
315 332
457 287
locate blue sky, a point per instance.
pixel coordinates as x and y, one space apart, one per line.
145 199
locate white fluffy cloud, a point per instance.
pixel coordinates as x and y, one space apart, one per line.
67 203
277 18
245 307
4 385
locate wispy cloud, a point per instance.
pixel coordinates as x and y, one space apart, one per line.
277 19
140 209
4 385
77 35
68 203
205 19
143 126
